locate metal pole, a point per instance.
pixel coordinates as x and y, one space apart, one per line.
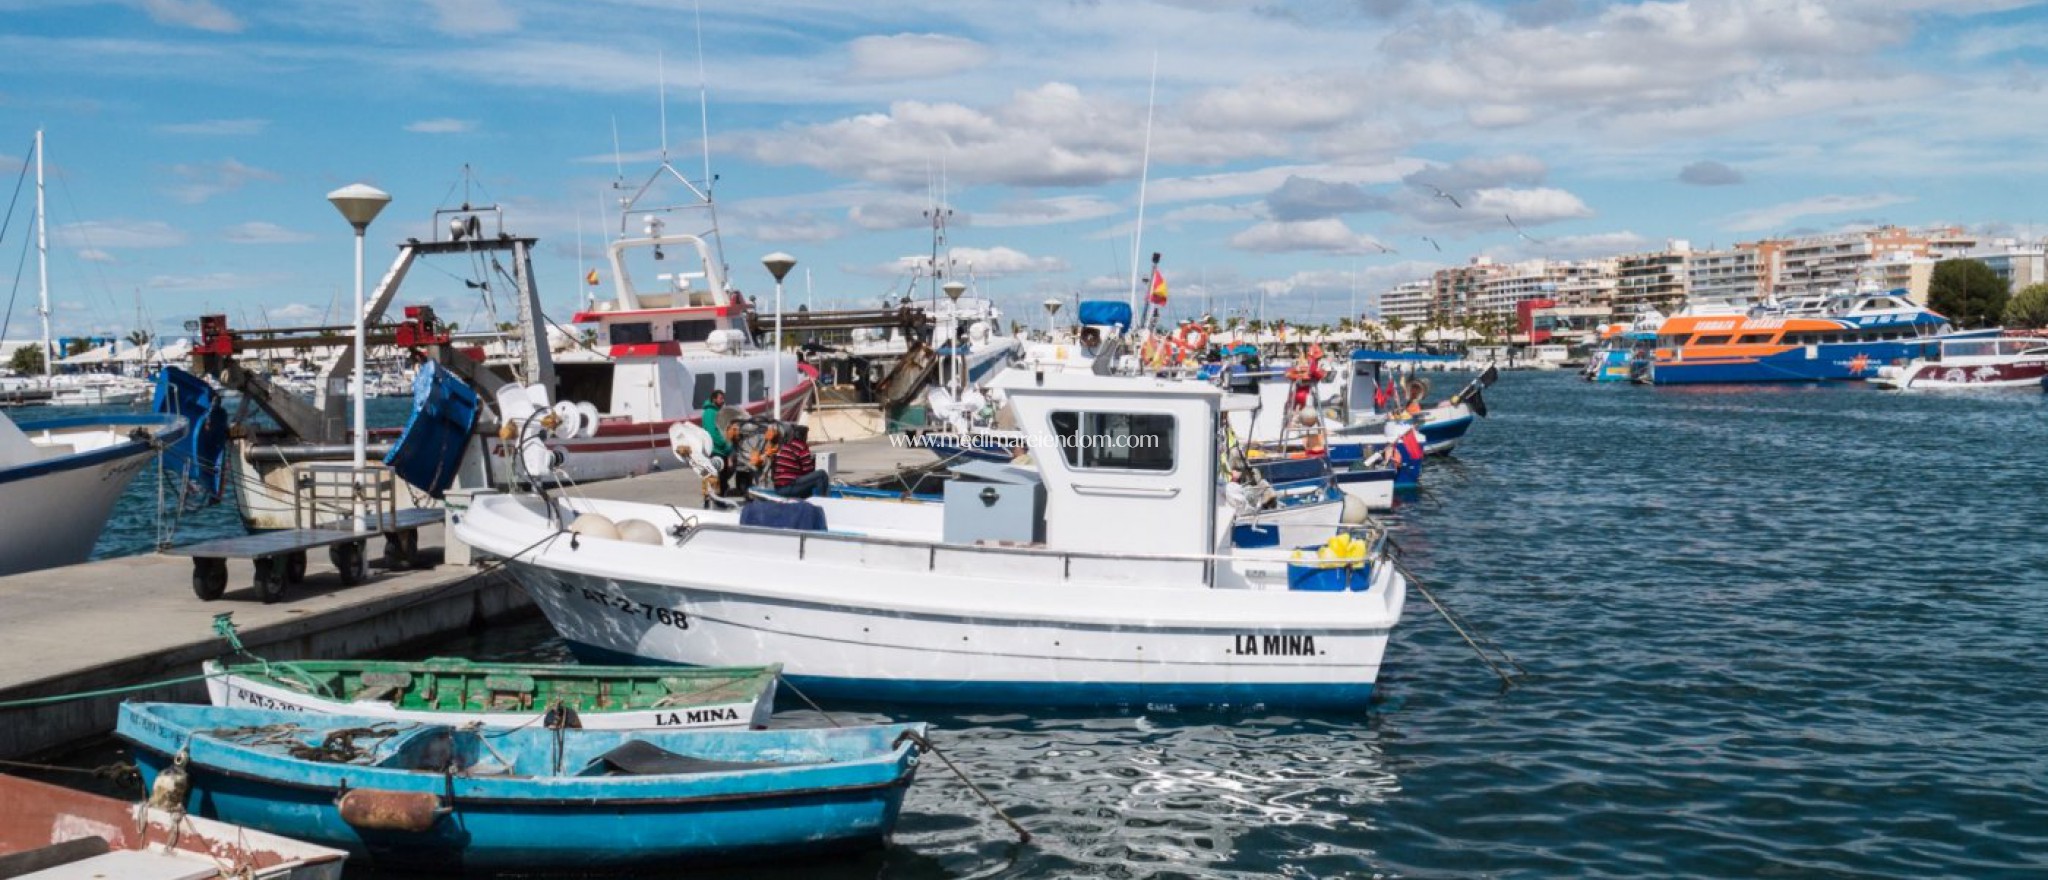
775 406
43 264
360 435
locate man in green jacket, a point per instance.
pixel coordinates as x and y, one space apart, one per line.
720 447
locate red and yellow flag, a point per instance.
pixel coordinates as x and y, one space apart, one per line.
591 279
1158 287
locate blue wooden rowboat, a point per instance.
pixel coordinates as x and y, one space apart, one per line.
433 797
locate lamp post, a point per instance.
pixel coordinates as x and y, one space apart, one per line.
1052 307
953 290
359 204
778 264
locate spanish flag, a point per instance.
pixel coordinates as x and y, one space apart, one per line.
591 279
1158 287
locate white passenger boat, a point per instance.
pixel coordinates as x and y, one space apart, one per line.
1978 360
59 479
1107 577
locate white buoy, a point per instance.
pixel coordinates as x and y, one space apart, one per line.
1355 513
595 525
639 531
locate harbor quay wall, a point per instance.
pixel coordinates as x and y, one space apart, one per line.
163 635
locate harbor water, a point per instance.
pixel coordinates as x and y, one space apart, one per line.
1788 632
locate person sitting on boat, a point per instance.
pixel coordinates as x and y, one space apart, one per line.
796 471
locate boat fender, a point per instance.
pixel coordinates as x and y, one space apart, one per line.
639 531
1354 512
595 525
376 809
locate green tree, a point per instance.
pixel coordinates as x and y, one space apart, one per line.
139 338
78 347
1968 292
27 360
2028 308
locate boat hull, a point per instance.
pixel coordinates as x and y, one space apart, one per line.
231 690
56 508
546 824
36 814
1826 362
1936 376
855 618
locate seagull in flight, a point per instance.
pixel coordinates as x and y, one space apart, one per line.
1444 195
1382 248
1518 231
1432 243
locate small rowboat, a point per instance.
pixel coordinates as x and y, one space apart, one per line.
456 691
443 799
51 831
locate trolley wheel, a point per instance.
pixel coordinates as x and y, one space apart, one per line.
348 559
209 578
402 549
295 567
271 575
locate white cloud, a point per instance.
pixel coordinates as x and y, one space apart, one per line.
473 17
217 281
982 261
1774 217
95 255
1324 236
216 127
259 232
442 126
118 234
295 314
204 181
913 56
1260 181
1214 213
199 14
1047 211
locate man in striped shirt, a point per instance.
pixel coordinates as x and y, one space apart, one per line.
796 471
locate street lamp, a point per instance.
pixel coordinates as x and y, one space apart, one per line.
778 264
1052 307
359 204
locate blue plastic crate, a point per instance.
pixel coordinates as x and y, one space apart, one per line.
1329 579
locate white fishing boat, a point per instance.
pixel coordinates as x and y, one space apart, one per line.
1103 574
59 479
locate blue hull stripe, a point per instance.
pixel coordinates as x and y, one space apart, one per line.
1034 693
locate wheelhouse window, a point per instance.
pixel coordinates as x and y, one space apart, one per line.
1756 338
757 385
1115 441
732 388
692 331
706 383
1711 340
632 333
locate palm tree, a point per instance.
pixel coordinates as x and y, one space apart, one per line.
139 338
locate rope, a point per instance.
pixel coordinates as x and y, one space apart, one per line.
104 692
784 680
119 771
1023 836
1507 681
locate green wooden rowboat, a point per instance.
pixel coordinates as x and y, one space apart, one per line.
457 691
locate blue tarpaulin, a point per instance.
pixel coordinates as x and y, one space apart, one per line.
444 410
1103 311
201 457
801 516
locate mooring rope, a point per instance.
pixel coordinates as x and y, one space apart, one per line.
1507 680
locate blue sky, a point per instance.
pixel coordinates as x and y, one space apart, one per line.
1298 148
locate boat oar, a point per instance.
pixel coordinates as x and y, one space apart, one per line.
922 742
1507 681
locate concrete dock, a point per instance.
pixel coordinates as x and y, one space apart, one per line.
123 622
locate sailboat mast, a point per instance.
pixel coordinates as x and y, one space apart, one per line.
43 261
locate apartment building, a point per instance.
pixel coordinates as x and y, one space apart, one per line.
1409 303
1656 279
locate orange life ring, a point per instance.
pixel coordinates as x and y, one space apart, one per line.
1192 338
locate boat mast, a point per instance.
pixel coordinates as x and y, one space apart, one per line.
43 261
